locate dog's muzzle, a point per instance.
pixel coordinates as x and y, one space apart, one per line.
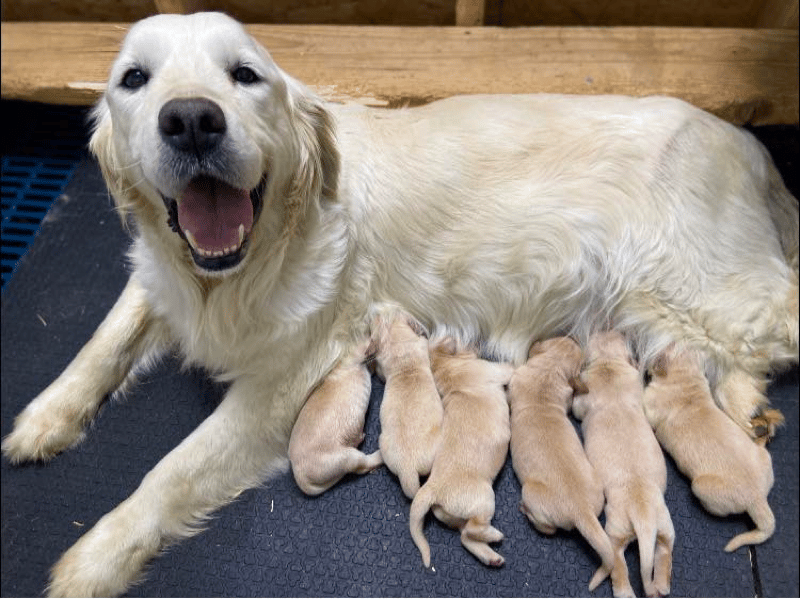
212 216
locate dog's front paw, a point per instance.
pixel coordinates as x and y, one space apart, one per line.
41 431
105 561
764 424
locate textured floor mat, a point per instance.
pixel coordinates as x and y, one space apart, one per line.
273 541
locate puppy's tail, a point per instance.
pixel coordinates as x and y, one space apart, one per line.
422 503
644 525
764 520
589 526
409 481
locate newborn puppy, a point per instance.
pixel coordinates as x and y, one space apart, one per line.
473 448
560 488
411 409
322 448
623 450
729 472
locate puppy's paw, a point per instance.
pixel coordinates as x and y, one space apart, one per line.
40 432
764 424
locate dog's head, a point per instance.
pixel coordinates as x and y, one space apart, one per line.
200 132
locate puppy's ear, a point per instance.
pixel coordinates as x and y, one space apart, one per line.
416 326
658 367
101 145
535 349
578 383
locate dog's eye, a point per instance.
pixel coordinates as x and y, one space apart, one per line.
134 79
244 75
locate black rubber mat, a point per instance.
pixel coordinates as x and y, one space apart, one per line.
274 541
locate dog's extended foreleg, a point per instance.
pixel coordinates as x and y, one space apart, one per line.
237 447
56 418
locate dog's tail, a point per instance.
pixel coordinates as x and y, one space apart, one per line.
591 530
409 481
764 520
423 500
783 209
645 527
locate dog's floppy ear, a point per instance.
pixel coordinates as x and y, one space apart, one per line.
318 171
101 146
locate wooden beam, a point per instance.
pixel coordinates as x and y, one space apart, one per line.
779 14
742 75
469 13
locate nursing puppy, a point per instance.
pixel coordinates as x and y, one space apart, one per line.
472 450
411 408
560 488
729 472
322 448
266 222
623 450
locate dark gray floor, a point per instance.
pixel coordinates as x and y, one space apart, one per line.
273 541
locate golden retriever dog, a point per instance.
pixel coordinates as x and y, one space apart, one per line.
623 450
411 408
472 450
266 222
560 488
329 428
729 473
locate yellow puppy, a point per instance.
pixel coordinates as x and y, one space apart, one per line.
411 409
623 450
560 488
473 448
322 448
729 472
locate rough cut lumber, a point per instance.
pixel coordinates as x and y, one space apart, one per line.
470 13
743 75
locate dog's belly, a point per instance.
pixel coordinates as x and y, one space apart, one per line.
521 224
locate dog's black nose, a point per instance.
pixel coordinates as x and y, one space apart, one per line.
193 125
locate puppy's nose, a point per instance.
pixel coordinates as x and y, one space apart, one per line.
193 125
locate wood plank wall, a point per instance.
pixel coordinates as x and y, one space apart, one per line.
743 74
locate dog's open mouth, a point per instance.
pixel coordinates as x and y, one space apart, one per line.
215 219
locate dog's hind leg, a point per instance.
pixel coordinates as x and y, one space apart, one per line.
662 570
55 420
237 447
479 548
743 397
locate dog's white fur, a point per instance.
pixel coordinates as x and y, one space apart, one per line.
623 450
496 219
729 473
560 488
472 450
411 408
329 428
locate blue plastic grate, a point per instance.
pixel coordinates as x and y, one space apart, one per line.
38 162
29 188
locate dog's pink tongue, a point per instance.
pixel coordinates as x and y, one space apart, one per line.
212 211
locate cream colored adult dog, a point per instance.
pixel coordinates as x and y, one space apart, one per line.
498 219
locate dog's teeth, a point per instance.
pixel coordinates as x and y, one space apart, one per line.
190 238
241 235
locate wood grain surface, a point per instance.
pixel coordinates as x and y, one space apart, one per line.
742 75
